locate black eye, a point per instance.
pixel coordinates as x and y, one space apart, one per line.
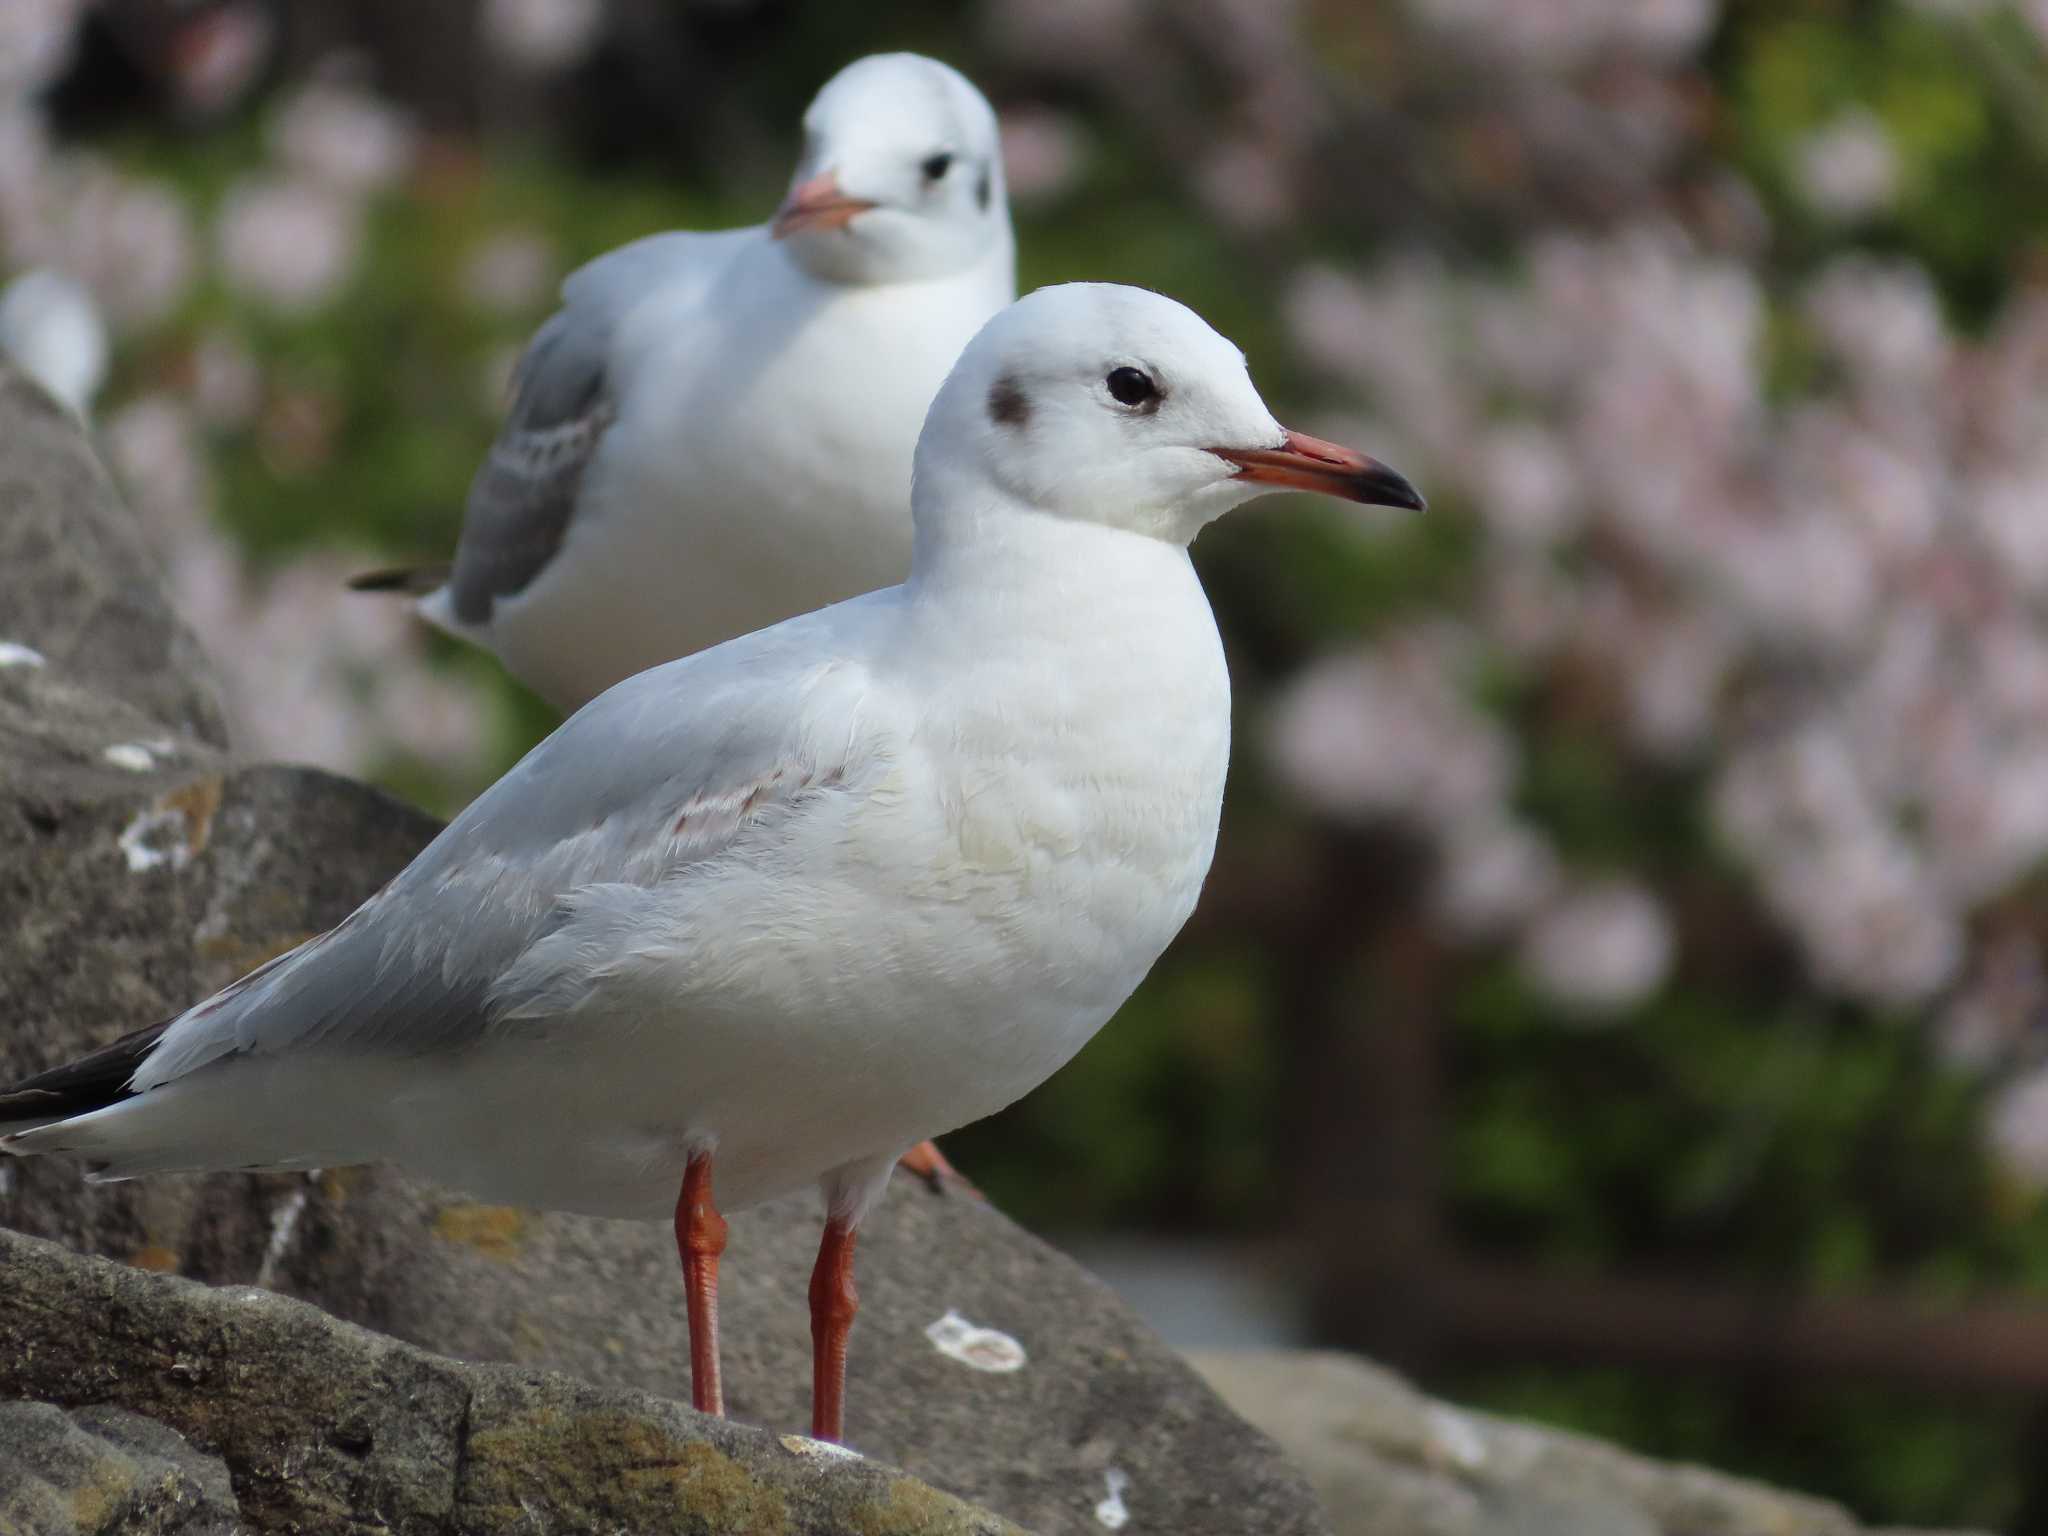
937 166
1131 386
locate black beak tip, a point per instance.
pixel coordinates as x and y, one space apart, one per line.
1382 487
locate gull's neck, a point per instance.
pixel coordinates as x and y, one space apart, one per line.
991 271
982 554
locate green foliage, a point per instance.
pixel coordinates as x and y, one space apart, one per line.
1964 100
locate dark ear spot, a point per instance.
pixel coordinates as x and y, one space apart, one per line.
1006 403
981 190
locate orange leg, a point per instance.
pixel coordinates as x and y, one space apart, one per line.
833 1304
700 1239
927 1162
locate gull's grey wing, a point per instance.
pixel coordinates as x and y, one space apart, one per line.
522 498
641 787
524 495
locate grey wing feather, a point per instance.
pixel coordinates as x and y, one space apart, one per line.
661 773
524 497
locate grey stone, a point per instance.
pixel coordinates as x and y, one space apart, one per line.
139 868
1096 1395
324 1426
1384 1458
78 585
104 1470
146 881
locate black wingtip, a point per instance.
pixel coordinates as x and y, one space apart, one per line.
414 580
93 1081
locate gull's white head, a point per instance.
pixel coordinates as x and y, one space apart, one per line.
1114 405
901 176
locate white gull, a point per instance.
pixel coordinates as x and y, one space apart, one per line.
781 908
715 430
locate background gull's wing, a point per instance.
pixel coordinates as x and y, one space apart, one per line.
525 493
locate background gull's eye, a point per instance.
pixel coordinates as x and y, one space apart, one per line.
1131 386
937 166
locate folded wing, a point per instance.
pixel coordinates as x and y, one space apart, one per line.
525 495
646 785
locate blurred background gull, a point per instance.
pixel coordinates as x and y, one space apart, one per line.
1620 995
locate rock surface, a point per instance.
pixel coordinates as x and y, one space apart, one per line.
323 1426
983 1361
105 1470
148 869
1385 1458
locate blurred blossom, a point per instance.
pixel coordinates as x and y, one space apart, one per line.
512 272
1494 875
1883 490
1067 35
2018 1128
1800 578
1836 871
1528 487
1043 152
543 35
35 42
1999 1007
1882 319
339 136
1668 28
1680 663
1729 215
288 244
1847 169
1387 336
2009 512
1602 948
128 240
1244 186
1530 606
216 55
1390 734
227 381
1559 34
309 671
154 450
314 674
24 156
1845 568
2010 665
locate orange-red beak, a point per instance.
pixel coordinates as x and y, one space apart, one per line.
816 204
1304 463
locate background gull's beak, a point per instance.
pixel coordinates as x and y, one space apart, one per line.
1304 463
817 204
